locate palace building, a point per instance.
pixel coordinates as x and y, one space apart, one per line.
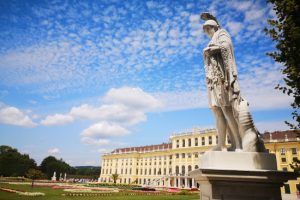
168 164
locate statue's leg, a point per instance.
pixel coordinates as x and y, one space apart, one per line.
232 140
221 128
231 121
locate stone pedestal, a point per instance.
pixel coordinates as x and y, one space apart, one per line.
240 176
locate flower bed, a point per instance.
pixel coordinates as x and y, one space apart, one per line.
22 193
87 190
87 194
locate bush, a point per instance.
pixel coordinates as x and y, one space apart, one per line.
184 192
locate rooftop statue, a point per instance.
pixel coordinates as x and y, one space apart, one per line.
230 109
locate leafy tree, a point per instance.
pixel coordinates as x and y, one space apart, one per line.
115 177
51 164
285 31
34 174
87 171
13 163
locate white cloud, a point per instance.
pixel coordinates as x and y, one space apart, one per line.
182 100
234 27
104 150
104 129
14 116
254 14
109 112
132 97
93 141
240 5
53 151
85 111
57 119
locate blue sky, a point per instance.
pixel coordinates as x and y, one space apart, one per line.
80 78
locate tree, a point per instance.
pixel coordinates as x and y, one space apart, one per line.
34 174
51 164
87 171
115 177
13 163
285 31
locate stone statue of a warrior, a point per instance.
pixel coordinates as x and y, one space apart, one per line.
230 109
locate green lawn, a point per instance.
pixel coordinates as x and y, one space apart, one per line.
56 194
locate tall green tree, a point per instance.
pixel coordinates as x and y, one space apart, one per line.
13 163
285 31
50 164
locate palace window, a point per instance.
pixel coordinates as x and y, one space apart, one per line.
177 143
177 170
183 142
209 140
183 169
137 172
170 157
145 171
130 171
203 141
149 171
177 155
189 168
196 167
190 142
183 155
283 160
284 169
217 139
170 170
196 141
165 171
282 151
159 171
196 155
294 159
294 151
189 155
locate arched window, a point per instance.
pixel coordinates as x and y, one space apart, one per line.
196 142
183 142
183 169
189 168
177 170
196 167
190 142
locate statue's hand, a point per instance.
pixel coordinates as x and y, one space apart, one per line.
206 51
214 48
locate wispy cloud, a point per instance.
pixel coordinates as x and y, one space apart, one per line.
54 151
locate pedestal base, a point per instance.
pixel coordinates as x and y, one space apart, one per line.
238 183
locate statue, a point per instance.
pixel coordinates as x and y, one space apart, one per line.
54 176
230 109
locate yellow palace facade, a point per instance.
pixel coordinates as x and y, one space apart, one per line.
168 164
